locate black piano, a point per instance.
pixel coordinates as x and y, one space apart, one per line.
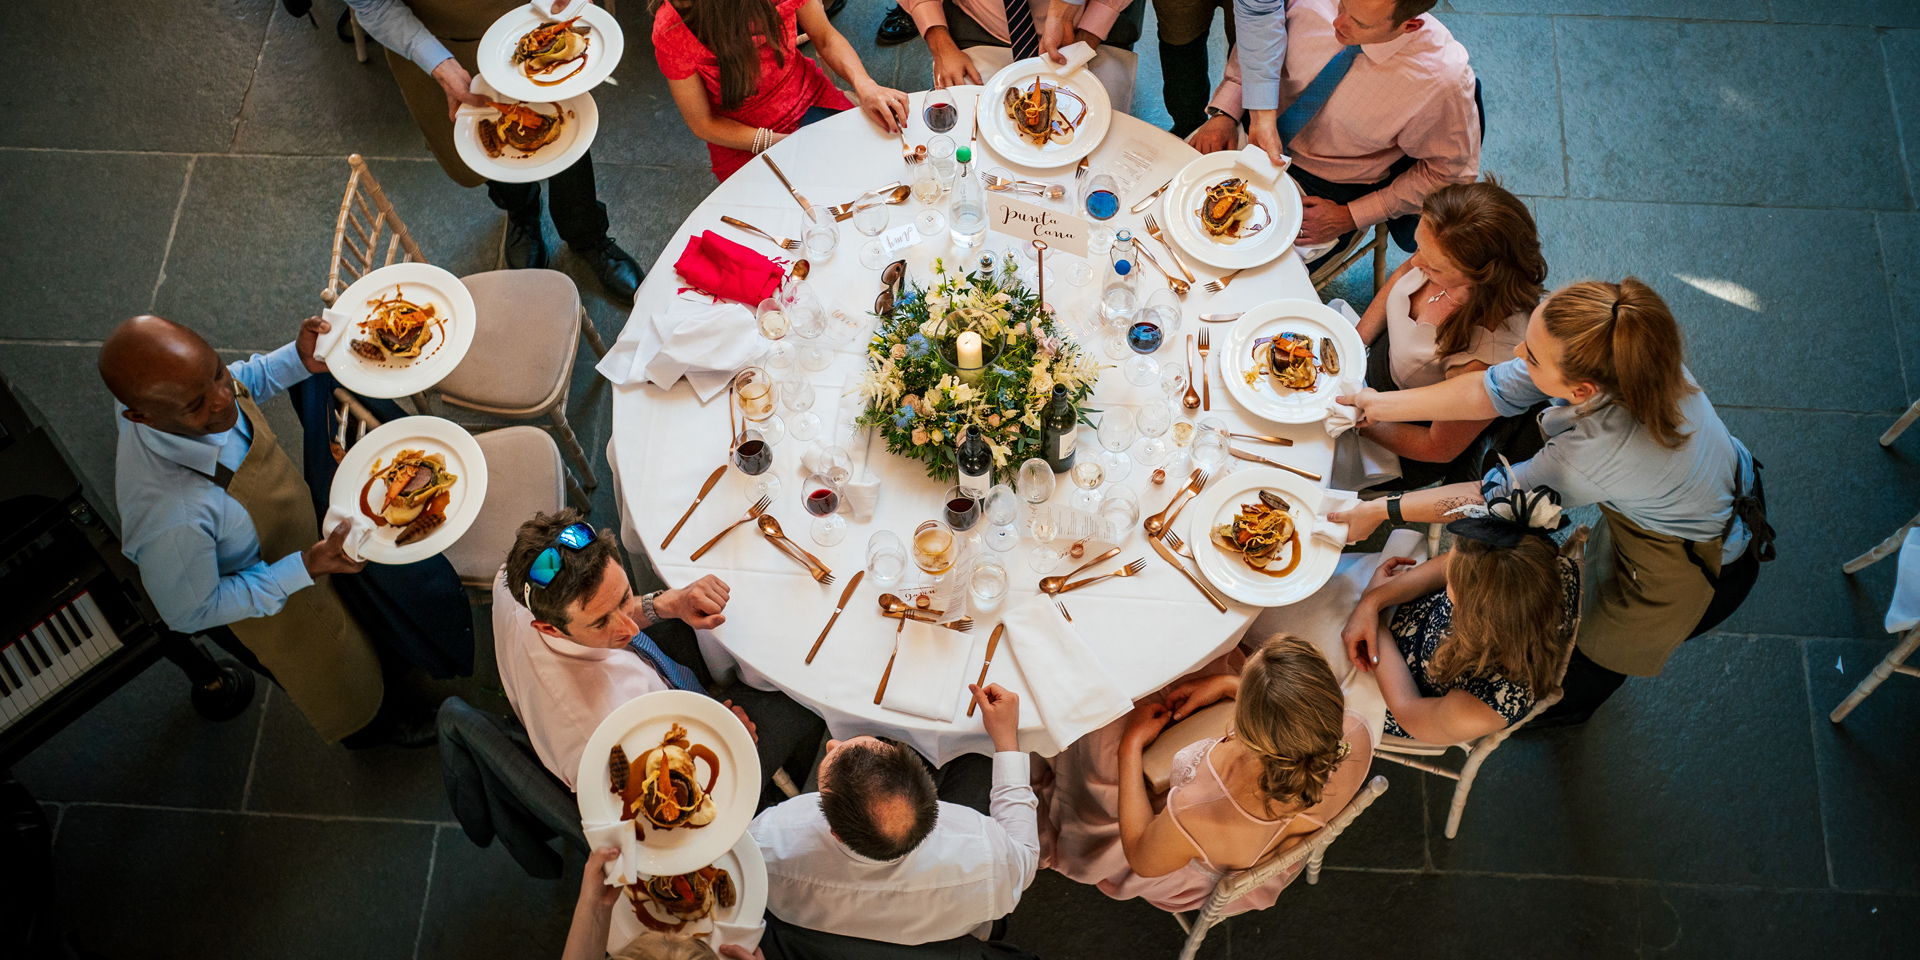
76 623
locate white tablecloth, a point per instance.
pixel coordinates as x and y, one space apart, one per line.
1150 629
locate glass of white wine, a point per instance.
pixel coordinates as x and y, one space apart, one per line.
1087 475
753 391
771 320
1043 528
927 189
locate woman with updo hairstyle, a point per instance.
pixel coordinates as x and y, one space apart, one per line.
1628 429
1291 759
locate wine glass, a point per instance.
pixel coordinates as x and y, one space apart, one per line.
927 189
988 585
1209 446
1080 273
1034 481
1086 475
820 235
821 497
798 394
809 319
1158 321
1173 380
1002 509
871 221
770 318
940 112
1043 528
933 547
886 558
1154 420
1121 509
753 392
962 510
753 456
1100 200
1117 432
834 463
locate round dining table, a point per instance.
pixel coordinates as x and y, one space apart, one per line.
1147 629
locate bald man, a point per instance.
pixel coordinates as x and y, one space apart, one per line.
222 524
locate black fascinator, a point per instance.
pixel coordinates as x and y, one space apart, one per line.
1510 515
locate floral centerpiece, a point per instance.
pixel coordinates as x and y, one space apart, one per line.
913 390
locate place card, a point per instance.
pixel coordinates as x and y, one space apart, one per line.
1028 222
900 238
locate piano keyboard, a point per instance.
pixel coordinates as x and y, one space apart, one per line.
58 651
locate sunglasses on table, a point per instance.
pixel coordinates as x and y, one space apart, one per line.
893 279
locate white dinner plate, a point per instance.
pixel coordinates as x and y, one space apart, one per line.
749 871
434 435
1185 195
604 46
420 283
1280 404
638 726
999 132
576 135
1224 569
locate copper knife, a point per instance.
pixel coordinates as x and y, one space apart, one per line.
804 205
845 595
1220 317
1166 553
993 643
881 694
1147 200
1282 441
1256 458
705 489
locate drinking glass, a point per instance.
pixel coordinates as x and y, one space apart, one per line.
927 189
798 394
1100 195
934 547
842 326
820 234
940 151
1209 446
1173 380
1117 432
770 318
940 112
988 585
871 221
1034 481
821 497
809 319
962 510
1154 420
753 392
753 456
886 558
1121 509
1154 325
834 463
1080 274
1043 528
1002 509
1086 475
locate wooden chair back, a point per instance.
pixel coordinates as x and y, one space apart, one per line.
366 209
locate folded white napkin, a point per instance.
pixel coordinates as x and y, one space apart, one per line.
705 342
862 497
361 528
733 934
618 834
1077 55
1072 691
1255 158
1904 611
338 325
929 669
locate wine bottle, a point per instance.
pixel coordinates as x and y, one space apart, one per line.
1057 428
976 464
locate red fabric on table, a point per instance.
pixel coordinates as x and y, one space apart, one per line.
728 270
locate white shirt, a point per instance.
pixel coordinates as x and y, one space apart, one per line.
969 871
1415 343
560 689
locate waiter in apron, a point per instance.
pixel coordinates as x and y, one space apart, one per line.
430 49
1686 526
222 525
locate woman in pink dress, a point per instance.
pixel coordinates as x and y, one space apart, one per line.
1291 760
737 75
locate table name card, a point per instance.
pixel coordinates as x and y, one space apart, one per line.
1025 221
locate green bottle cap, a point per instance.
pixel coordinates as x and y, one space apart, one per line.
964 154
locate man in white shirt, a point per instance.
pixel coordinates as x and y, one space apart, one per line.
567 632
876 855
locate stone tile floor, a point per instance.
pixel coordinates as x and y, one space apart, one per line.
1752 160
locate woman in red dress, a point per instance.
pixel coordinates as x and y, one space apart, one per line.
736 73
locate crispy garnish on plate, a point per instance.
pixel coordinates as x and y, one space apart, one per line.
520 128
396 329
686 898
668 793
550 46
1260 533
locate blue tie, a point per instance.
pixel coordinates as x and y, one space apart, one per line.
1316 94
677 676
1020 33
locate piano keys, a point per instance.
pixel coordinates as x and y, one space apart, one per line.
52 655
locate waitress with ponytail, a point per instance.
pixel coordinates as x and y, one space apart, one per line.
1629 430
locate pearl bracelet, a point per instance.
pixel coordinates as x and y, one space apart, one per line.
762 140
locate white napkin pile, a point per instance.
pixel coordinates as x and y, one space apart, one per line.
360 529
1358 462
929 670
1077 55
705 342
1072 691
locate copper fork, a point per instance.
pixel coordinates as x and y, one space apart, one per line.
964 624
783 243
1160 521
1206 381
1179 546
1126 571
1215 286
753 513
1153 230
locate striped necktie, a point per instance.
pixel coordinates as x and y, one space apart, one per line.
1315 95
1020 33
670 670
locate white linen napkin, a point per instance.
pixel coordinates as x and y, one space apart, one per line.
929 669
1077 55
361 529
1904 611
1072 691
1255 158
705 342
733 934
1358 462
619 834
338 323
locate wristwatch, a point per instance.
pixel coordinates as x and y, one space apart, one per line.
1393 513
1213 111
646 606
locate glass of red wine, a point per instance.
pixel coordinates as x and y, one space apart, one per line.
1151 327
821 497
940 112
753 455
962 511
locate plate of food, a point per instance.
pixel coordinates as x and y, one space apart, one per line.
1284 360
1257 535
515 142
1233 210
398 330
1033 117
731 890
678 766
528 58
421 480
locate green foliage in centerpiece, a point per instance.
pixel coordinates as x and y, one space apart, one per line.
922 407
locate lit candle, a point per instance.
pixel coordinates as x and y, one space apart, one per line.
968 350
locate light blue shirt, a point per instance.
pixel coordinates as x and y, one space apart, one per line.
1597 453
1260 28
393 24
196 547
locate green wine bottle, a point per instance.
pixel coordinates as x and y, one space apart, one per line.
1057 428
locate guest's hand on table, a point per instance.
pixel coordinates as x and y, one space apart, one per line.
1362 520
457 84
1323 221
1189 695
752 730
1000 713
1143 725
330 555
951 65
887 106
310 330
699 603
1217 134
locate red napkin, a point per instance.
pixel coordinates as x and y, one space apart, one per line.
728 270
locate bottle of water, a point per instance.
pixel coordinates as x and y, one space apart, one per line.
967 207
1120 294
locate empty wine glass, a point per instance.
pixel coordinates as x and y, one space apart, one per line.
1034 481
927 189
1044 529
1154 420
753 392
820 235
770 318
809 319
886 558
798 394
753 456
1117 432
1173 380
835 463
821 497
1080 274
1003 508
1086 475
871 221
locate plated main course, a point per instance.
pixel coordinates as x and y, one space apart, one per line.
396 329
1045 112
550 47
417 493
667 791
1289 361
520 129
1231 211
1260 535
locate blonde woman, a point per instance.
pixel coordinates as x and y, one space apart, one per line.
1292 759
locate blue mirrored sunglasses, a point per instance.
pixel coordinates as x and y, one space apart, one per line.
546 566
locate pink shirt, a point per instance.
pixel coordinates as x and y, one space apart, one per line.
1411 96
1096 17
558 688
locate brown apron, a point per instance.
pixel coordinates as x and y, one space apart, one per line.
1644 596
459 24
314 649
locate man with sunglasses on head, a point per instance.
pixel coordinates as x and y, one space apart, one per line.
574 642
